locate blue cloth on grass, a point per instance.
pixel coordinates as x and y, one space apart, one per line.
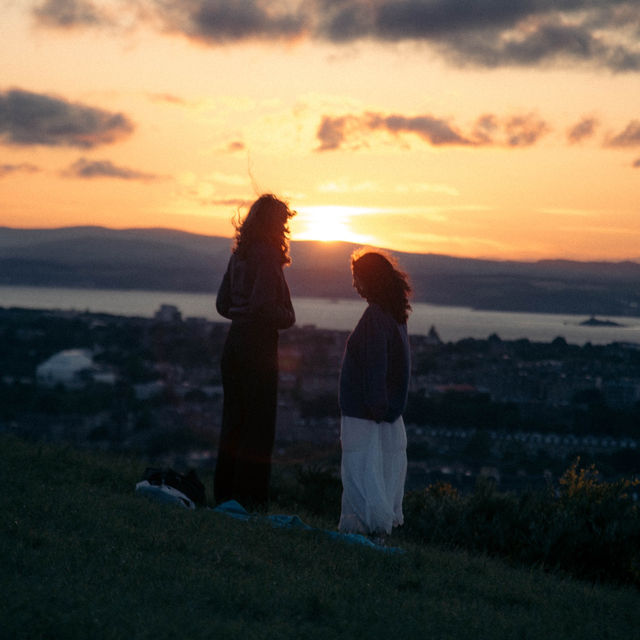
236 510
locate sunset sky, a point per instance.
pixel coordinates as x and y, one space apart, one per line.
486 128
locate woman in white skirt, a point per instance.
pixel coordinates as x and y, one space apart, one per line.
374 383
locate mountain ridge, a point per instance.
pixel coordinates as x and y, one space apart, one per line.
169 259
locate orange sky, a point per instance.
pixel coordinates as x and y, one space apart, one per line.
414 125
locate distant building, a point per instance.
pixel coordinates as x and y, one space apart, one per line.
72 368
433 337
168 313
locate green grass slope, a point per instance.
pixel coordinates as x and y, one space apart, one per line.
83 556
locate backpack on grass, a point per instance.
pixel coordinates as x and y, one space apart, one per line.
168 485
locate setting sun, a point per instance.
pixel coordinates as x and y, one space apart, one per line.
328 223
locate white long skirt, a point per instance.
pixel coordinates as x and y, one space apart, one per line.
374 469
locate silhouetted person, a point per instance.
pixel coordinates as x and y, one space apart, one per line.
374 384
255 297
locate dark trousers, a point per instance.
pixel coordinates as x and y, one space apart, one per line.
250 383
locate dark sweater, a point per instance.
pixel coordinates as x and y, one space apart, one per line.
253 290
374 381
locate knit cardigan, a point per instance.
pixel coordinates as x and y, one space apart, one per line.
376 367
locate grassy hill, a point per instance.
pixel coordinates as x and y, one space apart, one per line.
83 556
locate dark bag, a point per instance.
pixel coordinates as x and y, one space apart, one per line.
189 484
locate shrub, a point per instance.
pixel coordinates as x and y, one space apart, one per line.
585 526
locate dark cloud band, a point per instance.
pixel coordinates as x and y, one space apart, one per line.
582 130
628 137
485 33
352 131
67 14
38 119
24 167
84 168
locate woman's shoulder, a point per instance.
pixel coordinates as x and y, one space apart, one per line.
375 314
375 317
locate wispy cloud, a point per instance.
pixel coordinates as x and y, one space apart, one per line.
231 179
345 185
636 164
427 187
352 131
24 167
69 14
28 118
582 130
485 33
87 169
559 211
628 137
524 130
467 245
235 146
169 98
233 203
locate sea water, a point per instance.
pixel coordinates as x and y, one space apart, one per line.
451 323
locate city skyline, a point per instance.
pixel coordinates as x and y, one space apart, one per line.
506 130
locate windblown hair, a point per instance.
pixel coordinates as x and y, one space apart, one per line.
266 223
379 280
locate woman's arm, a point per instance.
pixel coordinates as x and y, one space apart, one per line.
375 364
223 299
270 298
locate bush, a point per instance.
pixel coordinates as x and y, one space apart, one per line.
585 526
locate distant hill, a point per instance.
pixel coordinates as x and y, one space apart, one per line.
165 259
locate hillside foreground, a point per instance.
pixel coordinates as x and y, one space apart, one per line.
84 556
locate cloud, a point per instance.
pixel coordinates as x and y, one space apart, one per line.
492 33
524 130
223 21
334 131
563 211
236 145
485 33
636 164
38 119
24 167
434 130
168 98
582 130
351 131
236 203
629 137
68 14
344 185
426 187
83 168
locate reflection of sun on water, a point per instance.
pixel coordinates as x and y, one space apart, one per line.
327 223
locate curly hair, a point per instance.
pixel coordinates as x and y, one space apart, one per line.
378 279
266 222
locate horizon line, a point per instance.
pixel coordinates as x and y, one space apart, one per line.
335 242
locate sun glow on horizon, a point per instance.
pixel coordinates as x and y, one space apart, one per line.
329 223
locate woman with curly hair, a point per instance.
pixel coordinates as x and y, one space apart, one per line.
374 384
255 297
